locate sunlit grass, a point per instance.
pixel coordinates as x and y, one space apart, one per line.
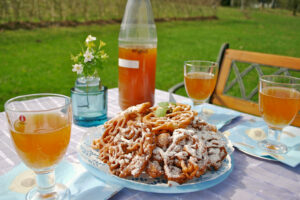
38 60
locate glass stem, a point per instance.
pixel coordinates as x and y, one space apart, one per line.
45 182
274 134
202 114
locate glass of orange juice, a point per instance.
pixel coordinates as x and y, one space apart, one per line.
40 128
200 79
279 103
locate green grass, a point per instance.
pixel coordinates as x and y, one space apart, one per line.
38 60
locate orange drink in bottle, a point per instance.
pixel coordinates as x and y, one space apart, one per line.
136 82
137 54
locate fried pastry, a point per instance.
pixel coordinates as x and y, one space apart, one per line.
178 146
213 141
178 116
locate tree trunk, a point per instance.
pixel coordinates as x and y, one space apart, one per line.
242 4
52 11
295 7
85 10
39 10
263 4
273 4
231 3
60 8
32 11
100 10
16 8
4 11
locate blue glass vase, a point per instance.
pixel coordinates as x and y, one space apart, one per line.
89 102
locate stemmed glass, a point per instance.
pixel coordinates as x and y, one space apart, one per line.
279 103
40 128
200 79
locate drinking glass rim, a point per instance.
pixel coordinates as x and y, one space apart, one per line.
263 78
37 94
189 62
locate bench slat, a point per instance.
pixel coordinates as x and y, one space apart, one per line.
254 59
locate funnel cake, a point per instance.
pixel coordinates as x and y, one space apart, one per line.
177 116
213 141
178 145
126 144
183 159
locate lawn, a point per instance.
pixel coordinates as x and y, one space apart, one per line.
34 61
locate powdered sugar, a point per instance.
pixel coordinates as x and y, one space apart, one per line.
136 140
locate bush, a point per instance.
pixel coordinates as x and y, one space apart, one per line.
79 10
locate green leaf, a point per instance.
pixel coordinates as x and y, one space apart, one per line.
163 104
161 112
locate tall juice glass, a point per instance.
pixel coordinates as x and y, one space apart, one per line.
279 103
137 54
200 79
40 127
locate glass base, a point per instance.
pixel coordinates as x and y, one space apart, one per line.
198 102
61 192
273 146
90 121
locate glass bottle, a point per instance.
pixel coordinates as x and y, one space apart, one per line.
137 54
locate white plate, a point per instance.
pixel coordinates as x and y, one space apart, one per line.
89 159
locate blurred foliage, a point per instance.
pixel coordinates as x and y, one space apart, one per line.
283 4
85 10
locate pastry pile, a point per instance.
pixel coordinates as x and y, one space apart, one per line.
174 143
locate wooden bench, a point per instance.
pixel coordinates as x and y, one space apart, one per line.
238 66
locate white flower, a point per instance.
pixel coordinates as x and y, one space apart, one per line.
90 39
77 68
88 56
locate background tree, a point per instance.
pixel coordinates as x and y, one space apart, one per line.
295 7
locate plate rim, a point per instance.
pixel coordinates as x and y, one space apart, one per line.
163 188
155 188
